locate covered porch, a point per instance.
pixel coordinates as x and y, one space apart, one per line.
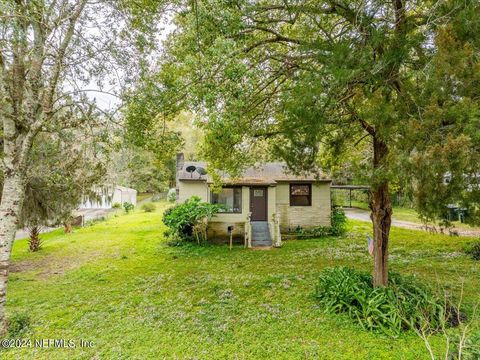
250 215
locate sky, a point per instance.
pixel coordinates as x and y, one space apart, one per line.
109 102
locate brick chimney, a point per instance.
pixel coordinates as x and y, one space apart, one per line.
180 161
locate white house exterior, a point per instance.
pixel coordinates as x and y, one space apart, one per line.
109 195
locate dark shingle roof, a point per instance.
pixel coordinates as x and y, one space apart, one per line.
267 173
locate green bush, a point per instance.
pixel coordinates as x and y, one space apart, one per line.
18 323
339 226
473 250
313 232
128 206
405 304
339 222
172 195
182 218
149 207
116 205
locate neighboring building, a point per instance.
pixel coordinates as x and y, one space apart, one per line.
263 202
109 195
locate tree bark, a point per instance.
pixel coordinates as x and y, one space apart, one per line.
10 208
67 226
381 215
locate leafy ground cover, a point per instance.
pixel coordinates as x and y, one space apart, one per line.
118 284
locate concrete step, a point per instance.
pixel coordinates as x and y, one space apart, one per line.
261 244
261 234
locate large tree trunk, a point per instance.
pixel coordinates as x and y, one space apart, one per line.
381 216
10 208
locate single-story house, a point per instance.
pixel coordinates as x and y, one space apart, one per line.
265 201
109 195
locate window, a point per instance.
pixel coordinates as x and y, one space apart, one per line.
258 193
231 198
300 194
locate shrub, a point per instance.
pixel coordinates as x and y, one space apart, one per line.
317 231
473 250
128 206
182 218
339 222
18 323
149 207
172 195
116 205
94 221
405 304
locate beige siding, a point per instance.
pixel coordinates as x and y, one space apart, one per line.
303 216
272 201
187 189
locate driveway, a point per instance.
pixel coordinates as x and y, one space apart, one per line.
364 215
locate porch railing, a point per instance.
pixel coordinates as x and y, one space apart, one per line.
274 227
248 231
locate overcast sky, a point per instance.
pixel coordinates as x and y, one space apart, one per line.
108 102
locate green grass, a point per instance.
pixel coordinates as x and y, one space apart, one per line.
399 213
410 215
143 196
116 283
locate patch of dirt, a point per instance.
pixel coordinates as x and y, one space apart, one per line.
51 265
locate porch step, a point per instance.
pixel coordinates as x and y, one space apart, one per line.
260 234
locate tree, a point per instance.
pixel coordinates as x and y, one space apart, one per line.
310 81
152 139
60 175
50 53
140 169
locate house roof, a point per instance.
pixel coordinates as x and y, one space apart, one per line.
124 189
264 174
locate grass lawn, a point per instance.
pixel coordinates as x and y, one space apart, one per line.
408 214
118 284
143 196
399 213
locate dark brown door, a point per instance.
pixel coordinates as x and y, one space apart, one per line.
258 203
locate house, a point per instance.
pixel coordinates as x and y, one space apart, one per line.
265 201
108 195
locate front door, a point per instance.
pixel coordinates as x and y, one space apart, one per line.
258 203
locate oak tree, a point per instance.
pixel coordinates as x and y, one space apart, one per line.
310 81
54 54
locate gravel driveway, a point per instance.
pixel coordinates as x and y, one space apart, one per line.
364 215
